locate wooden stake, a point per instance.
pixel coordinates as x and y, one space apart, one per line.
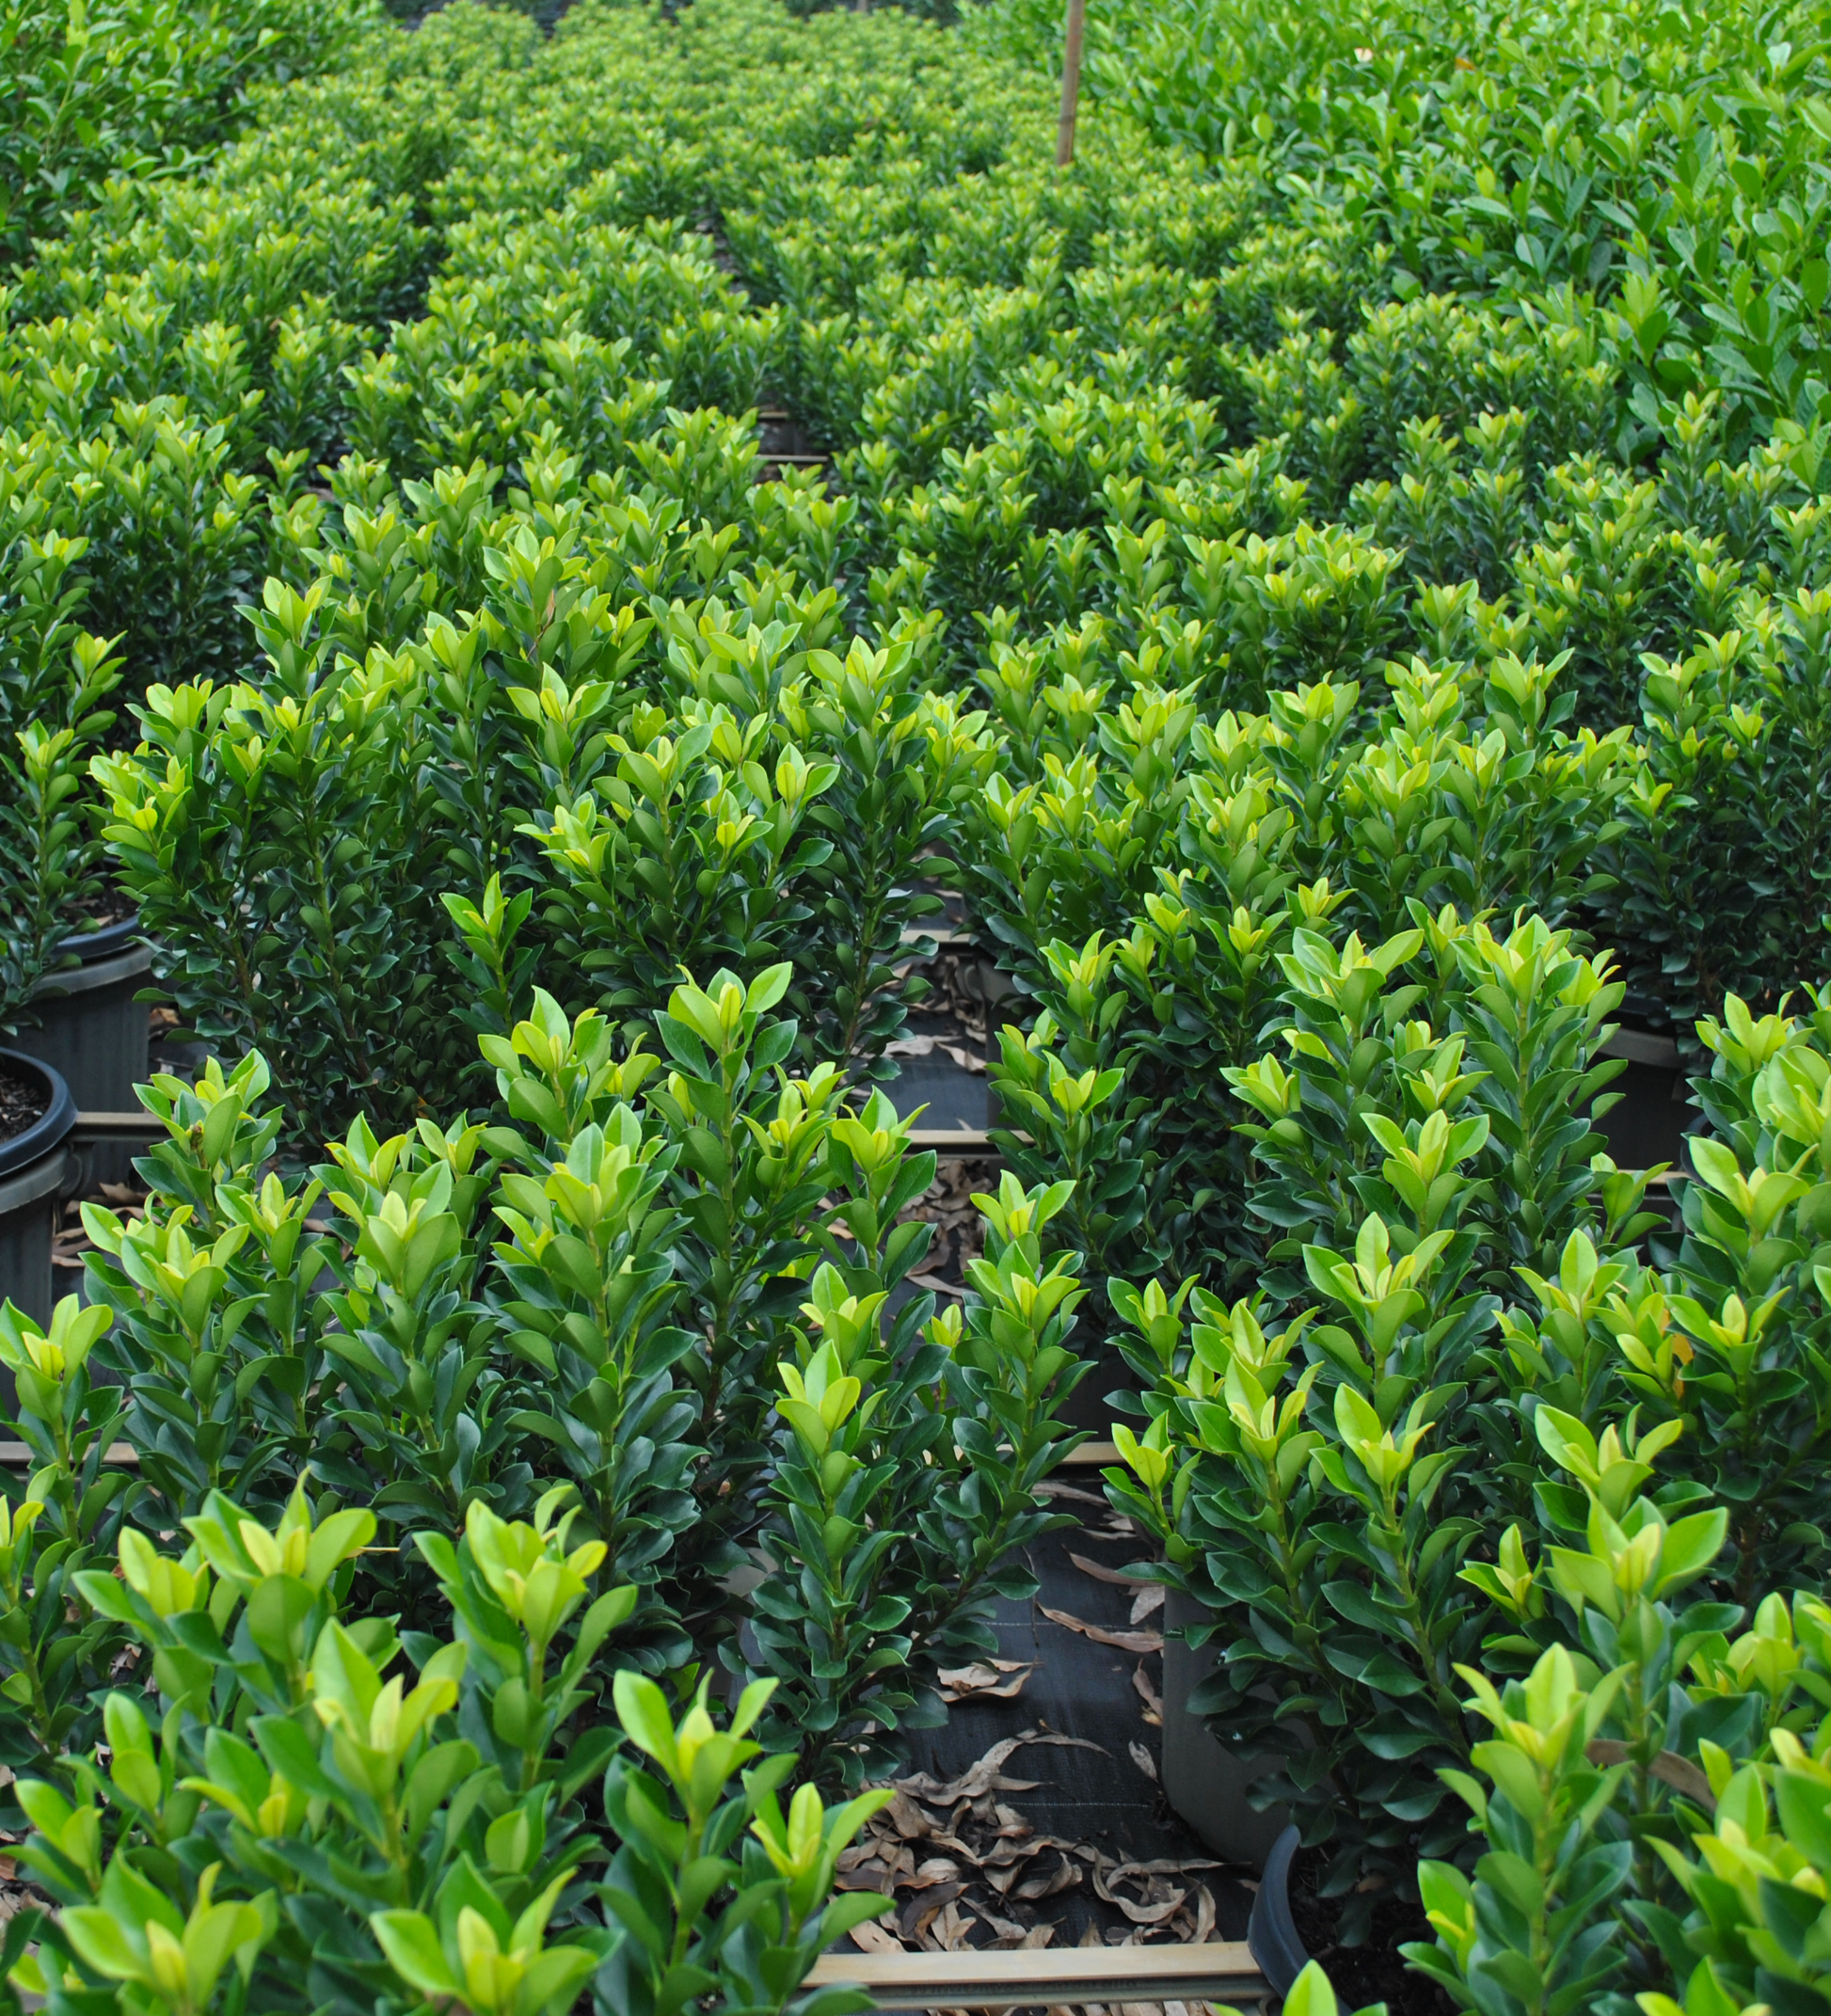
1070 83
908 1983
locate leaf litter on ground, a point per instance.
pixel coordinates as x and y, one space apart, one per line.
1122 1640
986 1680
964 1868
959 1231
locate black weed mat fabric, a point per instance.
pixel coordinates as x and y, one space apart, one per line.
933 1087
1044 1779
1034 1817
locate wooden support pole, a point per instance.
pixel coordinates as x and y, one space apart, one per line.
138 1125
953 1143
911 1983
1070 82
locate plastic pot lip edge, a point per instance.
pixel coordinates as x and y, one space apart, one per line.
91 947
50 1129
1272 1934
1645 1011
70 983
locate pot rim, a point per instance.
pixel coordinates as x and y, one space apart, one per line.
1271 1936
91 945
133 961
47 1132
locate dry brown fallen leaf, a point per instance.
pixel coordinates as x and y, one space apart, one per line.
908 1819
1163 1865
995 1679
1160 1900
1003 1874
935 1285
1143 1759
1149 1599
923 1908
938 1927
1204 1914
1063 1877
869 1877
871 1937
982 1777
1118 1576
1124 1640
927 1046
953 1929
1052 1487
1154 1705
1006 1933
862 1866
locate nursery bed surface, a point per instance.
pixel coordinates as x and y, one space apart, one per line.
1049 1761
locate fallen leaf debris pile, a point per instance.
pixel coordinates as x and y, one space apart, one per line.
965 1868
965 989
962 1053
959 1231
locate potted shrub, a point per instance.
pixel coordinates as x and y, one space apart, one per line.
69 971
91 1024
37 1114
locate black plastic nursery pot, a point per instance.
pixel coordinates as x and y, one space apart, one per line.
35 1172
1653 1113
1203 1782
1291 1922
1272 1934
93 1030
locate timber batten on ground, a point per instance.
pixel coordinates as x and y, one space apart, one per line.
1221 1970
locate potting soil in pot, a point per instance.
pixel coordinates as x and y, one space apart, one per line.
23 1098
1375 1971
97 908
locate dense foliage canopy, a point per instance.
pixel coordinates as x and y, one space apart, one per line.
1334 583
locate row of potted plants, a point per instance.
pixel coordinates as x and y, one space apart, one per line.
1707 881
1247 658
276 1822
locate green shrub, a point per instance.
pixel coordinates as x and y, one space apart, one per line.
1370 1504
352 1840
643 787
139 89
607 1295
54 678
1335 586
